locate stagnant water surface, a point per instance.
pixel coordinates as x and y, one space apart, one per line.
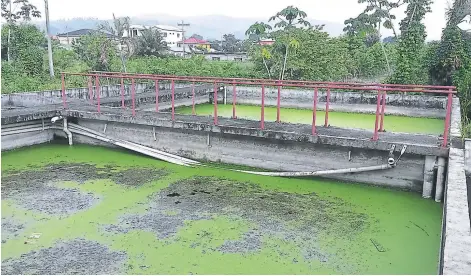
392 123
93 210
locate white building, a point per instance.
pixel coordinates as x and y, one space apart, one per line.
171 34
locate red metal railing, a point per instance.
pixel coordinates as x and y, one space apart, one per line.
380 89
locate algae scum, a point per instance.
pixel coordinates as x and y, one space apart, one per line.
93 210
392 123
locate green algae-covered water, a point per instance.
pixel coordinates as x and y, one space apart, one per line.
94 210
339 119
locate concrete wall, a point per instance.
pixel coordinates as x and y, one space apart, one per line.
267 153
304 98
455 257
31 99
20 140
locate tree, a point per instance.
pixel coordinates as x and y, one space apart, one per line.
119 27
151 43
288 19
450 63
409 67
25 12
197 36
231 44
368 24
27 47
261 29
96 50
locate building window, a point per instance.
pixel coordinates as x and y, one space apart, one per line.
164 34
216 58
134 33
237 59
178 35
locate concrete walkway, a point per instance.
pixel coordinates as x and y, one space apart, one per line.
456 235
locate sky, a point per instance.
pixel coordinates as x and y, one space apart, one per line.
329 10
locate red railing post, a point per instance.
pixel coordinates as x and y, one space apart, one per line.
193 97
378 101
133 97
173 100
262 115
234 99
383 106
97 91
122 93
447 119
327 105
215 104
64 100
90 89
314 109
156 95
278 102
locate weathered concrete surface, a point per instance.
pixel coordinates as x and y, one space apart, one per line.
456 235
283 155
31 99
457 232
15 135
417 144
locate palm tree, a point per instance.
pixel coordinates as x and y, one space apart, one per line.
150 43
289 18
120 25
260 29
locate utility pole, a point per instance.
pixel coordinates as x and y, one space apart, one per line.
49 46
183 25
10 24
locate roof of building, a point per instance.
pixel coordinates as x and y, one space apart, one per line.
193 40
82 32
160 27
177 49
168 28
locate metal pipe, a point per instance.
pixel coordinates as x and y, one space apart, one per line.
447 121
173 101
133 97
234 99
122 93
440 185
286 81
215 104
327 104
64 103
314 109
327 172
130 146
301 84
67 131
97 88
375 135
383 105
90 90
193 98
278 103
169 155
262 110
427 186
18 131
156 95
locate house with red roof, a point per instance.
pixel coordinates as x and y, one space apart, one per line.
197 43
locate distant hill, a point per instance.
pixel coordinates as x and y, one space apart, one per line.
209 26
